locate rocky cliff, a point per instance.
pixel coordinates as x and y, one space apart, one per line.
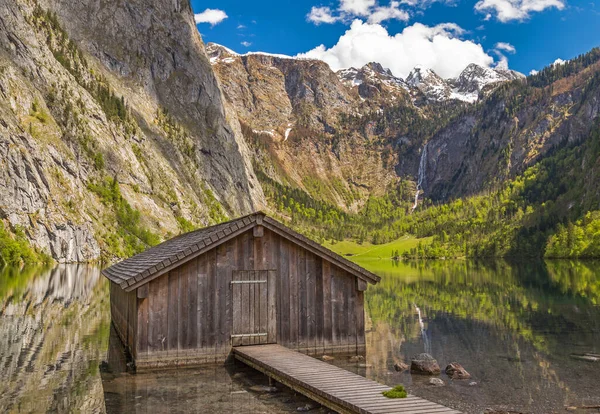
342 137
295 115
515 127
112 119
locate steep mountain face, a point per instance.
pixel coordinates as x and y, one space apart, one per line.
341 137
516 126
113 127
294 113
118 128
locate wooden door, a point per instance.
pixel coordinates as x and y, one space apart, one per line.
254 307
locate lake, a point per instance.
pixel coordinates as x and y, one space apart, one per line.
519 329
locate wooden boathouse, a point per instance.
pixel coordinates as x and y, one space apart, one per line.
250 281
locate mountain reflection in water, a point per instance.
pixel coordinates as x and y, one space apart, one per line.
514 327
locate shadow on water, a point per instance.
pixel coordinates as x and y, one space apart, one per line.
514 327
231 388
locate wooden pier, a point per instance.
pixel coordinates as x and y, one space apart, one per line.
331 386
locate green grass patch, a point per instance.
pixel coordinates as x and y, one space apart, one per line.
397 392
369 251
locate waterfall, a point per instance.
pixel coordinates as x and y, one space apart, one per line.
421 176
426 343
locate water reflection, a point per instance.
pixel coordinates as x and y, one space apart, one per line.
58 353
513 326
53 335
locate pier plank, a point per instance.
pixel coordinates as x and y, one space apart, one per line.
331 386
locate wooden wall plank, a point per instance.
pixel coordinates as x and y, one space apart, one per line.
259 253
293 298
272 322
173 313
225 258
212 305
264 307
319 314
335 304
351 311
251 328
142 329
343 301
245 300
360 322
132 318
237 315
192 337
327 308
302 301
311 294
283 294
158 322
183 311
202 322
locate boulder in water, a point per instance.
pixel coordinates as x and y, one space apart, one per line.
456 371
424 364
400 366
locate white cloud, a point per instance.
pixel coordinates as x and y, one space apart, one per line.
381 14
212 16
246 44
499 50
427 3
241 26
357 7
320 15
438 47
533 72
507 10
348 10
507 47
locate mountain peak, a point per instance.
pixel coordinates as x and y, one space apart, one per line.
475 79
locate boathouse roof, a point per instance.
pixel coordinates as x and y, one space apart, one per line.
141 268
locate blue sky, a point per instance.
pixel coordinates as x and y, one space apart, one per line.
403 33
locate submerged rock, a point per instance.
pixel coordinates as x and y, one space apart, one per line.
437 382
327 358
424 364
357 358
400 366
456 371
307 407
263 389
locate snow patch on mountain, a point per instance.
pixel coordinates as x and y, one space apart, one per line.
373 80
